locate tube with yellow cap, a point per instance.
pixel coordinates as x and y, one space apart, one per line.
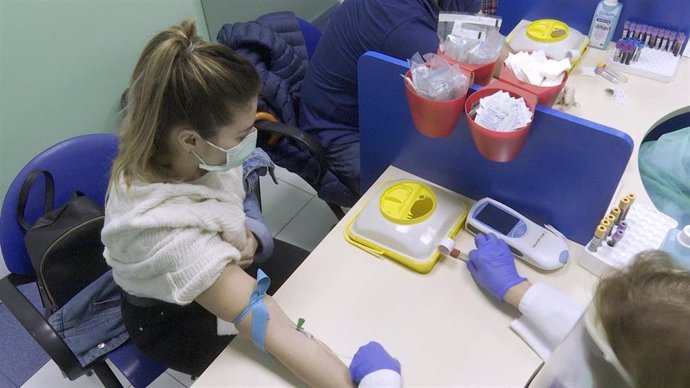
598 238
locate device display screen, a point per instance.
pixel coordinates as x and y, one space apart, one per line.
498 219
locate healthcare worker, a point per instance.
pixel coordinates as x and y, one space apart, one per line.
636 333
328 102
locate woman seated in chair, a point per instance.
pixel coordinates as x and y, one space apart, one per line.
176 233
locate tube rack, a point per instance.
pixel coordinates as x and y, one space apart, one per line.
647 229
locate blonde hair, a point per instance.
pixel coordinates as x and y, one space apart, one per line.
645 310
179 80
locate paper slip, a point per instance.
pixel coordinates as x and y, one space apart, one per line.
503 113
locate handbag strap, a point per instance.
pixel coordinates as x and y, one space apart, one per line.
24 195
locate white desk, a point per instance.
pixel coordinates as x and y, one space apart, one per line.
444 330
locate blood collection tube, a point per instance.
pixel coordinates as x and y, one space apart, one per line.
631 197
612 219
618 236
647 35
610 75
626 26
598 238
638 50
630 51
671 41
623 225
617 53
631 30
655 33
680 40
664 40
608 225
643 32
624 205
616 212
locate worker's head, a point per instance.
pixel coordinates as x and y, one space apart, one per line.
645 311
185 96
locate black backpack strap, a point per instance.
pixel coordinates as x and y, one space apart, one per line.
24 195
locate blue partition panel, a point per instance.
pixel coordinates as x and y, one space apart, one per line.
671 14
566 174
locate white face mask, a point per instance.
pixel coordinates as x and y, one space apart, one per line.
234 156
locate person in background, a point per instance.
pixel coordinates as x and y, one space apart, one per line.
177 233
644 310
328 103
665 172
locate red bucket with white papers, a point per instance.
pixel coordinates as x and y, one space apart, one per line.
494 145
547 95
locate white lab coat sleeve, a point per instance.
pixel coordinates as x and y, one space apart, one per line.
548 315
381 378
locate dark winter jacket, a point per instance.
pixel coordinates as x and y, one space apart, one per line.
275 45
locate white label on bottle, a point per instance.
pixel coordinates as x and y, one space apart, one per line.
600 31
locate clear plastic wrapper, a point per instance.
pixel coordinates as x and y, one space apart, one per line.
434 78
470 39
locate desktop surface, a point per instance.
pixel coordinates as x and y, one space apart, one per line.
441 326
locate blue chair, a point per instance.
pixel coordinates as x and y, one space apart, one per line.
311 35
82 163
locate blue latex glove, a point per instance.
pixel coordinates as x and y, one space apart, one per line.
492 265
370 358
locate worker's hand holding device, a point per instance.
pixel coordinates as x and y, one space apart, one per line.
492 265
542 247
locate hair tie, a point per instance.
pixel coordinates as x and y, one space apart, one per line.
190 48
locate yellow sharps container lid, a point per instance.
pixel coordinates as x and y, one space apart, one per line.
407 202
547 30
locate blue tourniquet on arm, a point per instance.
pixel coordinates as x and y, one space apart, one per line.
259 311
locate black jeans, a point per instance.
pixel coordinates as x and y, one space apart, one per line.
181 337
184 337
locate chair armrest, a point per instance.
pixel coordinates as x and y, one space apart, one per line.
297 134
39 328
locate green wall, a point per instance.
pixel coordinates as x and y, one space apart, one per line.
64 65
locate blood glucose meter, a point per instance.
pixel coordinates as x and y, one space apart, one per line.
543 247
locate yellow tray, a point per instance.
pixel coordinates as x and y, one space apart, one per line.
405 221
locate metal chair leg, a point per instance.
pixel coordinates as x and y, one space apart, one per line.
106 375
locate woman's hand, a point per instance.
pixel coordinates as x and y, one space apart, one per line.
247 254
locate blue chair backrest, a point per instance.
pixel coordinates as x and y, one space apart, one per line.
81 163
311 35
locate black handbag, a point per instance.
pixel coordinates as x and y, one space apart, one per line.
64 244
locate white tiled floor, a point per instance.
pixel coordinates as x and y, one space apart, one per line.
292 212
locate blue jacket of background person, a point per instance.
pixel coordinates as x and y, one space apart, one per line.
398 28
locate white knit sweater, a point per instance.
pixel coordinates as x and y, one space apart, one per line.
171 241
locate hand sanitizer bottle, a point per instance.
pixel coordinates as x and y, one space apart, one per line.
677 244
604 23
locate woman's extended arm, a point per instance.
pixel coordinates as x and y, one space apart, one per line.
309 360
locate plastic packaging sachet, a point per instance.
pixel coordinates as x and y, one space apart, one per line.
503 113
436 79
536 69
472 39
